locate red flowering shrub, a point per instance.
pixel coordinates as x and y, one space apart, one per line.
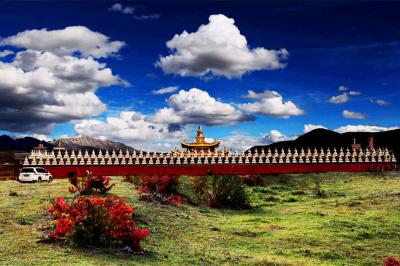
391 262
176 200
162 189
87 185
96 221
159 184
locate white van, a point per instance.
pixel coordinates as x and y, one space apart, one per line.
37 174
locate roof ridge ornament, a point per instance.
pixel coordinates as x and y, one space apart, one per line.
200 143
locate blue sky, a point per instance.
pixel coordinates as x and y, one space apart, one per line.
318 47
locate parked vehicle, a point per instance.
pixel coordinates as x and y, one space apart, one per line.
34 174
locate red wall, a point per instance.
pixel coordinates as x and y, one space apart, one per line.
61 171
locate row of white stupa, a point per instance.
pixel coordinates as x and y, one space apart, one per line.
38 157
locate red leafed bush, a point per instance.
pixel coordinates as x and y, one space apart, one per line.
391 262
164 184
176 200
87 185
96 221
162 189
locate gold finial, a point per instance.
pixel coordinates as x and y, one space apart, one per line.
200 143
200 136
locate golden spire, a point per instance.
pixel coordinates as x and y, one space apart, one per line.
200 142
200 136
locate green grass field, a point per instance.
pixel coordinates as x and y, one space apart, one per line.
356 223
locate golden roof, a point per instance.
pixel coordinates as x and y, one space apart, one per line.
200 141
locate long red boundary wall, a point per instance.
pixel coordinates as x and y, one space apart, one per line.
59 171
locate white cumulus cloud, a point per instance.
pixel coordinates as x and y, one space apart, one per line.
270 103
5 53
354 93
127 10
345 96
65 42
46 84
134 129
363 128
353 115
42 137
342 98
196 106
243 141
381 102
275 136
133 12
240 141
217 48
311 127
165 90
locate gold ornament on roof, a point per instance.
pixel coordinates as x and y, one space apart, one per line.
200 136
200 142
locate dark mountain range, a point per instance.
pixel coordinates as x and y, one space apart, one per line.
26 144
326 138
21 144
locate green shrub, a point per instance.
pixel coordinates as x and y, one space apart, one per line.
272 198
265 190
24 219
13 194
365 234
298 193
284 179
221 191
253 180
319 192
290 199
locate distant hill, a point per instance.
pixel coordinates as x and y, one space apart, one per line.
326 138
21 144
26 144
89 143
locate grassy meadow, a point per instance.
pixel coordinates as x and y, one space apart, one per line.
357 222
